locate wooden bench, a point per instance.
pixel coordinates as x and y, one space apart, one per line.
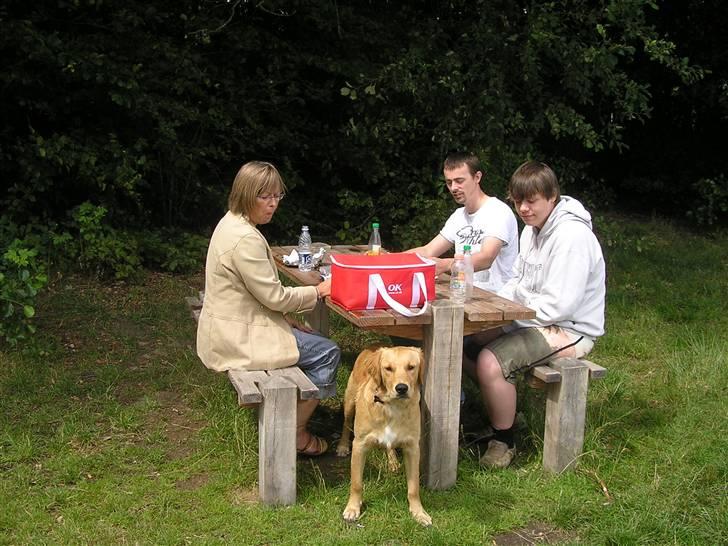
566 381
275 393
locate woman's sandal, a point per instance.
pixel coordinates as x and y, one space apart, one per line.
316 446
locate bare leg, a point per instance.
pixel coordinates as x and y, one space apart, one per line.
498 394
304 411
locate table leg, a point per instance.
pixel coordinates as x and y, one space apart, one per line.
443 347
318 319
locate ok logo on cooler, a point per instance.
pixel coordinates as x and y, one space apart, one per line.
394 288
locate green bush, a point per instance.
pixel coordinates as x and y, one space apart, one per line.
711 205
107 251
100 248
172 251
22 275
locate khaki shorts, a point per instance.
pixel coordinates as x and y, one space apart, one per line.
524 348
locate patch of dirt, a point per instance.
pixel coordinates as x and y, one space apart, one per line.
240 496
177 421
333 469
533 533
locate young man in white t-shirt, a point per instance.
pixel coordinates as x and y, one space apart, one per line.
484 222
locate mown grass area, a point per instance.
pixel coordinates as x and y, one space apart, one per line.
113 432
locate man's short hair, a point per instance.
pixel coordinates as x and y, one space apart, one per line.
457 159
531 178
253 179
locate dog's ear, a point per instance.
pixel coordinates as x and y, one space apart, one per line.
421 370
374 367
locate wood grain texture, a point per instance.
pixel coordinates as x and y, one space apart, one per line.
246 385
441 395
277 442
306 389
565 415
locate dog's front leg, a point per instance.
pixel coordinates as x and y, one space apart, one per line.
358 456
412 467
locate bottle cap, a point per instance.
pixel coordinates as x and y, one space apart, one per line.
304 227
375 225
466 248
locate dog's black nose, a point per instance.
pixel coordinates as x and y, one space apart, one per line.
401 388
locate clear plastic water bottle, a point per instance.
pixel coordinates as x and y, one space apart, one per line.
375 241
458 284
305 259
468 259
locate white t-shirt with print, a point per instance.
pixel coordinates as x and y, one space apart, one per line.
493 219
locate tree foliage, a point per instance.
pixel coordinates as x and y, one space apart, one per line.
125 121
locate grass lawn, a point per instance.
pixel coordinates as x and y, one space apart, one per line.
113 432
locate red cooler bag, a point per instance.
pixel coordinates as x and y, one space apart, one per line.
389 281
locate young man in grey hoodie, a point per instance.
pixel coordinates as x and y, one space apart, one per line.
560 274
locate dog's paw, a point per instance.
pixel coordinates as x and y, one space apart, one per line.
423 518
342 450
351 513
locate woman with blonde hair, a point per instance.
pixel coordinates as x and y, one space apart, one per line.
243 324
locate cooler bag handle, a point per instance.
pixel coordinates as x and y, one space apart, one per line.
376 286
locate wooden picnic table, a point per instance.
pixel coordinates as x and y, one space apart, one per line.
441 329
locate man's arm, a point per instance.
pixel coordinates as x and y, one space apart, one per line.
439 245
489 249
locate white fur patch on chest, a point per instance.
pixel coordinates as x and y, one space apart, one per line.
387 437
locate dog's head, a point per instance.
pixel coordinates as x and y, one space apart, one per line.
397 371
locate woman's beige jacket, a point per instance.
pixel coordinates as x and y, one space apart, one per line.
242 324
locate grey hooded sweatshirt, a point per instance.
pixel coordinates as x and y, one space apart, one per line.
560 272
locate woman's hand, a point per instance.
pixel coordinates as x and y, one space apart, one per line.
298 325
324 288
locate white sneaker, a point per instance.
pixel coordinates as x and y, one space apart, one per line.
498 455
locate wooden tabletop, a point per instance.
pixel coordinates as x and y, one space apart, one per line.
483 311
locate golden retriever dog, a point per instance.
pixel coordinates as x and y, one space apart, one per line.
382 401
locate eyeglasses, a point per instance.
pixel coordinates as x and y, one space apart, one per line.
271 197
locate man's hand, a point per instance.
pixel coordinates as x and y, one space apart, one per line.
442 265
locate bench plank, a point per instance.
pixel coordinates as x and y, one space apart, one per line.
245 384
595 370
546 374
306 388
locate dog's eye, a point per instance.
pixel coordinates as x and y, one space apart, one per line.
388 369
410 368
